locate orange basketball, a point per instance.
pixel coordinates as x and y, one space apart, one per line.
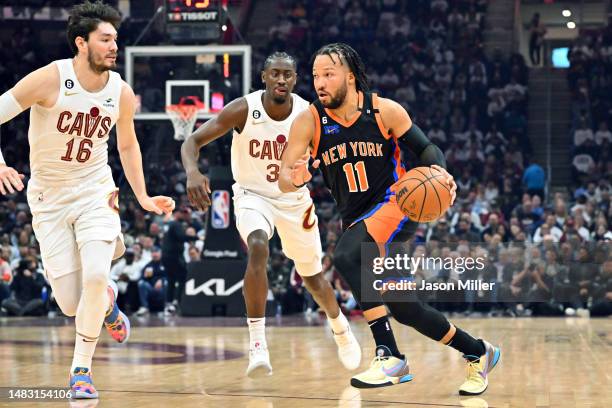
422 194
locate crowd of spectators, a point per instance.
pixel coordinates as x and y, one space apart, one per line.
590 81
546 256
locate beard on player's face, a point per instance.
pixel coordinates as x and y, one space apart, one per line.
336 100
98 63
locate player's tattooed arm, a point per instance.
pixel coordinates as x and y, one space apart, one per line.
396 119
294 165
233 116
131 158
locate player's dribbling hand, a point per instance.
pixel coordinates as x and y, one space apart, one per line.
10 180
450 180
158 204
299 172
198 190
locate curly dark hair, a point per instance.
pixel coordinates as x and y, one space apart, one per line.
85 18
353 60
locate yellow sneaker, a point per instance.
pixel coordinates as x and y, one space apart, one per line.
384 370
478 371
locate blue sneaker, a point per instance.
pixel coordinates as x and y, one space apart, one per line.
81 384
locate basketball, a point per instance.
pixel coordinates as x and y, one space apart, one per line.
422 194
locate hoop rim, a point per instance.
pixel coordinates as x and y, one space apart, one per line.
185 111
184 115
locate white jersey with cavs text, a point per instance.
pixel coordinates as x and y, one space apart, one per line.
69 141
257 150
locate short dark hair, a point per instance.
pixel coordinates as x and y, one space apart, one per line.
279 55
352 58
85 18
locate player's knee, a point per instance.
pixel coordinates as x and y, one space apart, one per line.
315 284
407 313
258 250
95 279
344 259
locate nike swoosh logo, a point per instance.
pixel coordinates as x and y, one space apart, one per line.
88 341
70 93
393 370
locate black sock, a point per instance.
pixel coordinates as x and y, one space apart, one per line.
471 348
383 336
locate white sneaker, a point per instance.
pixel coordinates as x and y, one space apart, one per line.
582 312
570 311
349 351
259 362
142 311
170 309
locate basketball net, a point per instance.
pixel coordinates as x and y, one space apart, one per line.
184 115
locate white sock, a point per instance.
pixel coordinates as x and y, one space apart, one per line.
338 324
84 348
257 331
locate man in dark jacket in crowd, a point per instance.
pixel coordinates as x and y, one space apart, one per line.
153 284
26 291
173 246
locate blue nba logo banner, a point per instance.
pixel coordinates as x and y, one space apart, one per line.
220 209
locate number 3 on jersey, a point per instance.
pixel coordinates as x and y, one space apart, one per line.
359 184
273 170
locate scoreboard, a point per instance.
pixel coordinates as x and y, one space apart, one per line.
193 20
192 11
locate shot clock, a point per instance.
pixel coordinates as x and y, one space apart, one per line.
192 11
189 20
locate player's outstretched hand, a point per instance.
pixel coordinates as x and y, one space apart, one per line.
299 172
10 180
158 204
198 190
450 180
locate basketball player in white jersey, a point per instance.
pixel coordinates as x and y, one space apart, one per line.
74 105
261 123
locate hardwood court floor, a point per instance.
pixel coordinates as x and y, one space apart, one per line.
562 362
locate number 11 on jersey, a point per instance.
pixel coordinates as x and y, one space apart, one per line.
360 183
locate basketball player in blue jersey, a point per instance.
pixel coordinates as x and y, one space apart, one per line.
74 201
260 122
354 137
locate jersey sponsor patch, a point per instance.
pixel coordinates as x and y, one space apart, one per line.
331 129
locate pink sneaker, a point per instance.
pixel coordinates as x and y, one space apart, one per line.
116 322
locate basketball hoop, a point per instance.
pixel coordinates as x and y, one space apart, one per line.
184 115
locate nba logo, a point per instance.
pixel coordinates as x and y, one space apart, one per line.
220 215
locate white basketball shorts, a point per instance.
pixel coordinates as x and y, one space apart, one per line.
295 221
65 218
